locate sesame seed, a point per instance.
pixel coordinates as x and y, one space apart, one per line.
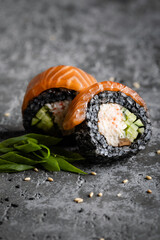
100 194
91 194
148 177
119 195
149 191
93 173
7 114
50 179
36 169
111 79
125 181
101 239
27 179
136 85
158 151
78 200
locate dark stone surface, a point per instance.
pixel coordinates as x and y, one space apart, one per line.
105 38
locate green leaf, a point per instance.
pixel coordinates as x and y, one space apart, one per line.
11 141
32 137
14 167
65 166
67 155
44 139
2 162
16 158
43 154
51 164
6 149
27 147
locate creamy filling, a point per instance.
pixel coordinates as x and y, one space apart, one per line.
111 123
59 110
118 125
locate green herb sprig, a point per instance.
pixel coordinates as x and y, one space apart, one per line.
27 151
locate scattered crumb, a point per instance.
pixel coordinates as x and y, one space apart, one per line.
149 191
7 114
148 177
27 179
111 79
158 151
100 194
119 195
136 85
125 181
78 200
36 169
93 173
50 179
91 194
52 37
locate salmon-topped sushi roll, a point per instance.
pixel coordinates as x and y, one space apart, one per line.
111 120
49 95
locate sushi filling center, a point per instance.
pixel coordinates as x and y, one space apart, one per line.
118 125
50 116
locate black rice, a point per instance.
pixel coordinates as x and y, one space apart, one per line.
93 144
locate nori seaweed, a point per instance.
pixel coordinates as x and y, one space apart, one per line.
49 96
93 144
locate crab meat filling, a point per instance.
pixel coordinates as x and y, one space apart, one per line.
59 110
118 125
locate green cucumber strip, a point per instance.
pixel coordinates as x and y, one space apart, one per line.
141 130
131 134
131 117
35 121
45 119
42 112
139 123
128 123
127 112
134 127
16 158
45 124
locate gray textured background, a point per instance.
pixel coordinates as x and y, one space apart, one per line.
118 39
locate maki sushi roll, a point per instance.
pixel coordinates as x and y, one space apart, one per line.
111 121
48 97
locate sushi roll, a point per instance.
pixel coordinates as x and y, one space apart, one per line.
111 121
48 97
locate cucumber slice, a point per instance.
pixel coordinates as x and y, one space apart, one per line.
131 117
41 113
131 134
34 121
134 127
141 130
128 123
45 125
127 112
139 123
43 119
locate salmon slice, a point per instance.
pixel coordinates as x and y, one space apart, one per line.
57 77
77 110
